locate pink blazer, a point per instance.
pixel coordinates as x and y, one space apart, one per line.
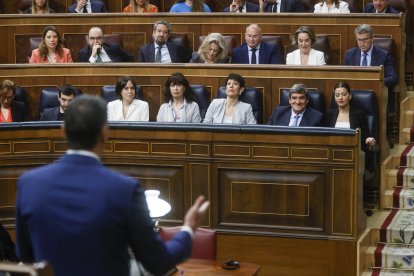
64 58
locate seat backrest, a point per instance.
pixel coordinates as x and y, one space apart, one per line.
109 95
322 44
366 101
353 6
49 98
386 43
20 94
34 42
202 98
316 99
23 5
251 96
229 40
179 40
277 41
204 241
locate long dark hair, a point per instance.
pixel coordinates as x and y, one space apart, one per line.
178 78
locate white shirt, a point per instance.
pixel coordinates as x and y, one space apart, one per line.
165 55
343 8
84 153
343 125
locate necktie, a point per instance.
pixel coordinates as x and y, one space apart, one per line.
98 58
85 10
295 120
274 7
158 55
240 8
253 59
364 59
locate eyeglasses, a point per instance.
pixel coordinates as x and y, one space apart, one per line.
363 40
253 36
95 38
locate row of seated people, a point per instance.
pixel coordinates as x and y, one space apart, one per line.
234 104
237 6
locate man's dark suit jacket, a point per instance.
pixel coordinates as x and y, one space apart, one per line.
369 8
287 6
281 116
268 54
50 114
357 119
96 7
115 53
250 7
81 217
379 57
19 112
178 54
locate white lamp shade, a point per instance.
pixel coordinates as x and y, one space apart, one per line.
157 207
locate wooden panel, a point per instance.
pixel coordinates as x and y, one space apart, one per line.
282 198
342 195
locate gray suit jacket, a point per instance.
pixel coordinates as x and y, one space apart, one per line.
243 113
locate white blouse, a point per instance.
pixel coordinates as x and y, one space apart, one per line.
343 8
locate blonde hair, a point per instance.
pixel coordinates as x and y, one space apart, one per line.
6 86
216 38
35 8
135 7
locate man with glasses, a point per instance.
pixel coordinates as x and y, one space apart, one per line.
242 6
366 54
298 113
66 94
87 6
160 50
98 51
278 6
11 110
255 51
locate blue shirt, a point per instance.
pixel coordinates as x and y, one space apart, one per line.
182 7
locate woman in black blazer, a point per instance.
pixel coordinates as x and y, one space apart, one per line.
345 116
11 110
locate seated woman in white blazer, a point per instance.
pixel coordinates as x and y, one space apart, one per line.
305 54
231 110
179 105
331 6
127 108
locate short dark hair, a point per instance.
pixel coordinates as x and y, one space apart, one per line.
121 83
178 78
299 88
162 22
236 77
67 90
343 84
84 119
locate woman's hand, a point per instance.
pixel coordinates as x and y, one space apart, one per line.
370 141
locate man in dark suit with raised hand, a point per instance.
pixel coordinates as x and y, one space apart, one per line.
255 51
161 50
366 54
242 6
98 51
66 94
87 6
298 113
82 217
279 6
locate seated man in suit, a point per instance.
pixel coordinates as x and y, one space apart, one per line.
161 50
97 51
242 6
278 6
379 6
93 214
366 54
87 6
255 51
298 113
66 94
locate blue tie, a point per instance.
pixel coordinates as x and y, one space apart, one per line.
295 120
364 59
